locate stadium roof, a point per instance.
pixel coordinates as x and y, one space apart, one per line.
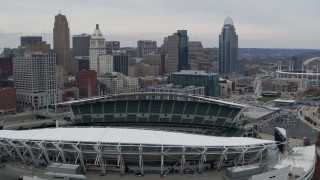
204 98
129 136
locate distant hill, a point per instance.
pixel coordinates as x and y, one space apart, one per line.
278 52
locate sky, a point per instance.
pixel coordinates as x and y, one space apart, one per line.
258 23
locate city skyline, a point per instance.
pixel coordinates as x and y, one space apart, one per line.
267 24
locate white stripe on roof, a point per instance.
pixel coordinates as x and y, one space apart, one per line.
128 136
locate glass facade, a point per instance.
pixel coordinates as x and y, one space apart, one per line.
198 78
228 49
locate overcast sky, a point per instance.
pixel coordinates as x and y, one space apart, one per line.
258 23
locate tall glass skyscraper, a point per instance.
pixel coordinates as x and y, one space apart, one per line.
183 50
228 49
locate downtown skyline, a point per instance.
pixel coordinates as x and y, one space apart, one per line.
267 24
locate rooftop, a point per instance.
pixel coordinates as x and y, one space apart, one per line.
129 136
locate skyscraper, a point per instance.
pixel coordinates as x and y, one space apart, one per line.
81 44
177 51
146 47
172 56
112 46
121 63
183 50
25 40
228 49
196 54
61 43
98 60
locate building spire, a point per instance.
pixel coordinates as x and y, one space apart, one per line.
97 26
228 21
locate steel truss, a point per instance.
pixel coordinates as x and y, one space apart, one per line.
104 154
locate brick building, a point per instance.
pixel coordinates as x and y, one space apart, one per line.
8 99
87 83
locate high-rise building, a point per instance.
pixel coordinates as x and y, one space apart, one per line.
61 43
112 46
83 62
121 63
228 49
197 78
196 54
183 50
177 52
25 40
146 47
295 63
172 56
99 61
87 83
38 46
35 80
81 44
155 60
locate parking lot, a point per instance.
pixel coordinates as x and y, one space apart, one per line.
291 123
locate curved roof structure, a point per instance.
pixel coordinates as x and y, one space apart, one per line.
306 62
128 136
228 21
114 146
137 95
97 33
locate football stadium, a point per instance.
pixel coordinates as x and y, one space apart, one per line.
158 133
157 110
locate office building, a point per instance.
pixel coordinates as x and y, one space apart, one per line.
82 62
177 89
147 81
177 52
87 83
6 65
183 50
81 44
228 49
8 99
172 56
155 60
146 47
38 46
61 43
112 46
121 63
35 80
25 40
117 83
99 61
197 78
141 69
196 55
295 63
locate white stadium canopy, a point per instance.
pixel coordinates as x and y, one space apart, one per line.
129 136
